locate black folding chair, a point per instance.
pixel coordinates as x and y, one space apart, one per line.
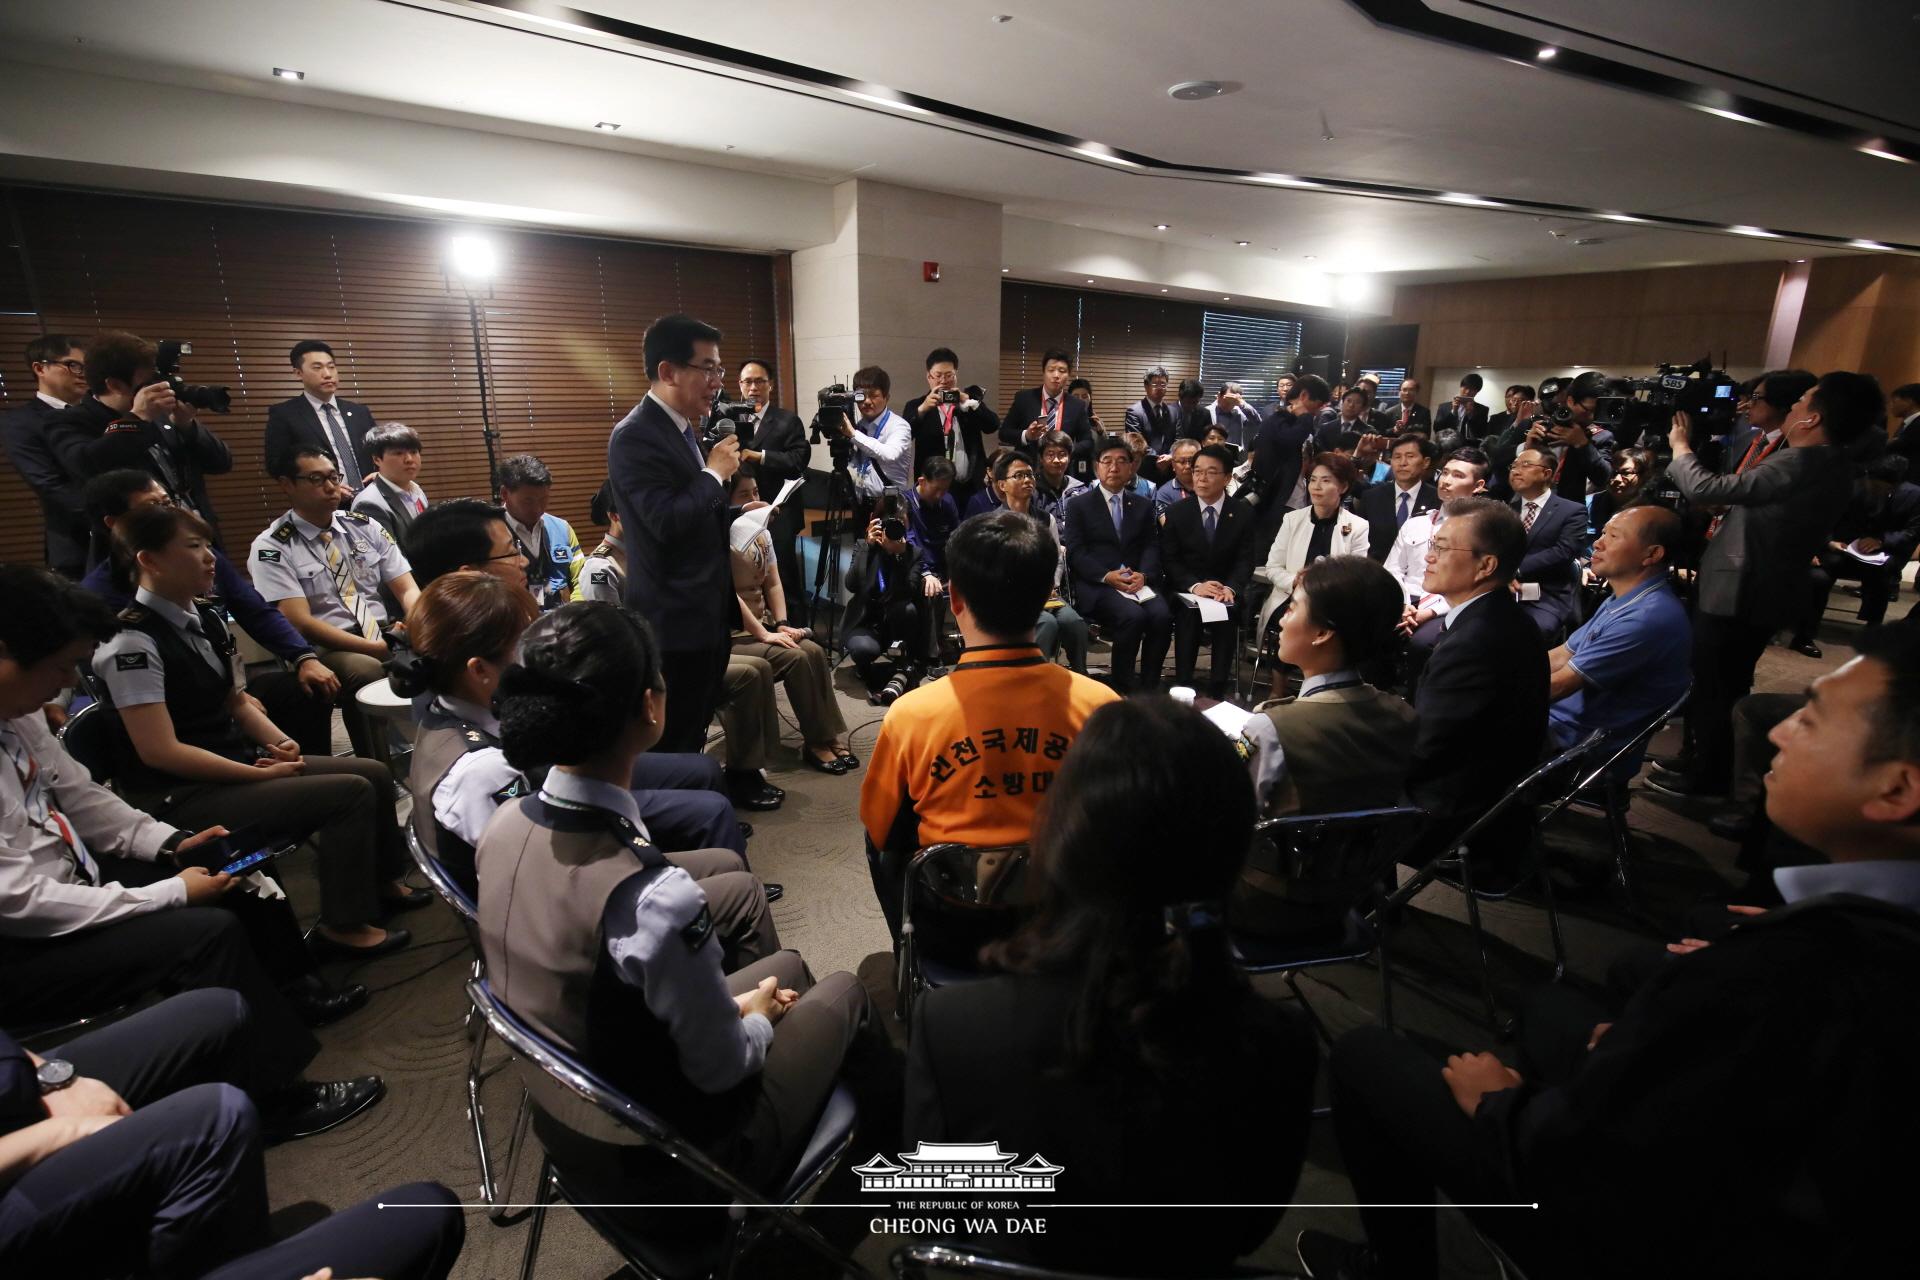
492 1191
88 738
966 896
1606 787
561 1084
1552 784
929 1258
1337 858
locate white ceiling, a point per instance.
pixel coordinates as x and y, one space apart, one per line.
1401 109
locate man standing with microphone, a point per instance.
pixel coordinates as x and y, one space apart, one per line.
672 498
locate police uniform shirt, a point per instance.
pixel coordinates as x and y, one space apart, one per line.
130 664
289 561
479 781
661 941
601 577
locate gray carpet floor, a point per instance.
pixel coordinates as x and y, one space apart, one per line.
411 1033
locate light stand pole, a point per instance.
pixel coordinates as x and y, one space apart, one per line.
473 261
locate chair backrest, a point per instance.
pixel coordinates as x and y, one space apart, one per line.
1545 784
1624 760
1356 848
443 884
959 897
88 738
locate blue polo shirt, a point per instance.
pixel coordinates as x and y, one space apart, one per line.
1635 654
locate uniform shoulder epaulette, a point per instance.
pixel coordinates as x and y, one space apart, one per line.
356 517
135 614
285 532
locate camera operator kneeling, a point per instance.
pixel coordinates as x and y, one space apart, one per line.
886 588
612 951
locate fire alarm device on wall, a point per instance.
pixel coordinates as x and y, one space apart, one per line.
930 272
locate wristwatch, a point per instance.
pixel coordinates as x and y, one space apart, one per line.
55 1074
171 846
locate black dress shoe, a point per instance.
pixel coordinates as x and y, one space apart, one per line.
746 830
1672 764
318 1004
1682 784
412 900
775 890
325 948
308 1107
1731 826
1807 647
755 793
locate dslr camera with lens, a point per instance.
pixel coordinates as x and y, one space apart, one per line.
166 363
890 692
890 509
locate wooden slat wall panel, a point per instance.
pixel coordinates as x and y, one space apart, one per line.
564 319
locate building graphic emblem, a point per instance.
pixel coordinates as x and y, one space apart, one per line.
958 1166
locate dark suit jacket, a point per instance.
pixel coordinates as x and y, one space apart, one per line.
1277 453
1906 442
1160 435
1387 417
679 570
1896 522
905 574
781 439
1482 717
63 511
1805 992
1188 557
1379 505
1075 417
88 439
1475 425
1327 432
1558 536
978 429
1779 513
1122 1140
293 423
1093 549
391 512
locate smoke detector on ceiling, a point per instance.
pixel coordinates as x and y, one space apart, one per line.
1196 90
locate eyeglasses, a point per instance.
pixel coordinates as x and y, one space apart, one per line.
1440 548
716 370
1018 477
515 554
752 382
319 479
1537 466
78 368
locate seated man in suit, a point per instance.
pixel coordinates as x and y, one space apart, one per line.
1464 413
1629 660
1462 475
1388 507
1903 410
1351 416
319 418
1482 704
952 423
393 497
1207 544
59 367
1614 1125
1556 532
1113 552
1406 413
1047 407
1883 519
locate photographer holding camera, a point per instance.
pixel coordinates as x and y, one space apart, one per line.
882 440
885 586
1584 451
672 498
142 415
953 423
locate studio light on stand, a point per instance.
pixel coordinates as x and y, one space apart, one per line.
472 262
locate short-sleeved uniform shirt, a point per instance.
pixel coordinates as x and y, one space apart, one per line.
131 667
1635 656
969 757
289 560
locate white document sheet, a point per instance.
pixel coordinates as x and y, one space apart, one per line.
746 528
1210 610
1228 718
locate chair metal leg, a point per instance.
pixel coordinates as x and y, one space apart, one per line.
1386 982
516 1140
1622 852
543 1196
477 1117
1479 938
1553 921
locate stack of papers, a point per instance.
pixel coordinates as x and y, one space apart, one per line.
1866 557
749 526
1210 610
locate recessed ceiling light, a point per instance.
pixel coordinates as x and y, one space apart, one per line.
1867 244
1243 243
1309 257
1002 18
1226 299
1885 155
288 73
1195 90
1547 53
1089 279
1004 270
1163 291
607 126
1160 226
1799 259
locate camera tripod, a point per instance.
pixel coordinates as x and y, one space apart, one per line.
837 519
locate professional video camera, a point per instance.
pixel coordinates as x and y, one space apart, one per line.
730 418
166 363
1639 410
836 403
